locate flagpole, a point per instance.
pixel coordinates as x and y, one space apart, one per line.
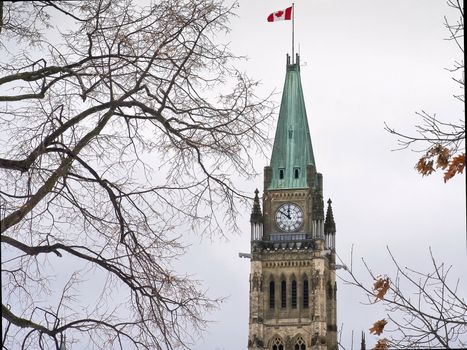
293 27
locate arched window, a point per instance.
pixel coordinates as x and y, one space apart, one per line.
277 344
294 294
296 173
300 344
283 294
305 294
281 173
272 292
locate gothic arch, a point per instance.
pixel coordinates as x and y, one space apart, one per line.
299 343
276 343
292 277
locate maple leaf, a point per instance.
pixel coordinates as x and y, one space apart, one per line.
279 13
443 158
440 153
382 344
436 149
380 287
378 327
425 167
456 166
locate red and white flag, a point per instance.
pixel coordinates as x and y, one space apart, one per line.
281 15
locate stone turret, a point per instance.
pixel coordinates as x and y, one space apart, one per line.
330 228
256 220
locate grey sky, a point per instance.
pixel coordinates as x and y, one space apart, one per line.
365 63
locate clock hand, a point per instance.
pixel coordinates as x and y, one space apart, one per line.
288 215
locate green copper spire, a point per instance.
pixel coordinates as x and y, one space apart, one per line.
292 151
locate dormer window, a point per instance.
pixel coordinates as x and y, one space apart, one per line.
281 173
296 173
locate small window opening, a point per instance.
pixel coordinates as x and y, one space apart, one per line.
281 173
296 173
277 344
271 294
294 294
305 294
300 344
283 294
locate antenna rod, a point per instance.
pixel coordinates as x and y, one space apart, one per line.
293 27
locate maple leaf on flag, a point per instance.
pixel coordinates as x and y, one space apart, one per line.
281 15
378 327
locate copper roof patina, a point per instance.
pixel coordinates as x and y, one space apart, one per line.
292 150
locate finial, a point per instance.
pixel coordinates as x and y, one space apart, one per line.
256 215
329 224
363 343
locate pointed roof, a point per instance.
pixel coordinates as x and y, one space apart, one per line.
292 151
329 224
256 215
363 343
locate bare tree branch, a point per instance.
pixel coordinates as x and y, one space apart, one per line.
121 132
433 136
423 310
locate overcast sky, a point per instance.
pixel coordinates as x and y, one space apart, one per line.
364 62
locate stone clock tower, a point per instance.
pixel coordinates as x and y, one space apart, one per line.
292 280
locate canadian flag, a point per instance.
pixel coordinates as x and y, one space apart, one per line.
282 15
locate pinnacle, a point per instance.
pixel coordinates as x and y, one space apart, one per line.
256 214
329 224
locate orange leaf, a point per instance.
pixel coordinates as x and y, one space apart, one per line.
433 151
456 166
424 166
443 158
378 327
381 287
382 344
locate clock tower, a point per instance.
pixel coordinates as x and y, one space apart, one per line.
292 279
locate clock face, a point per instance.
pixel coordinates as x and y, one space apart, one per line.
289 217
